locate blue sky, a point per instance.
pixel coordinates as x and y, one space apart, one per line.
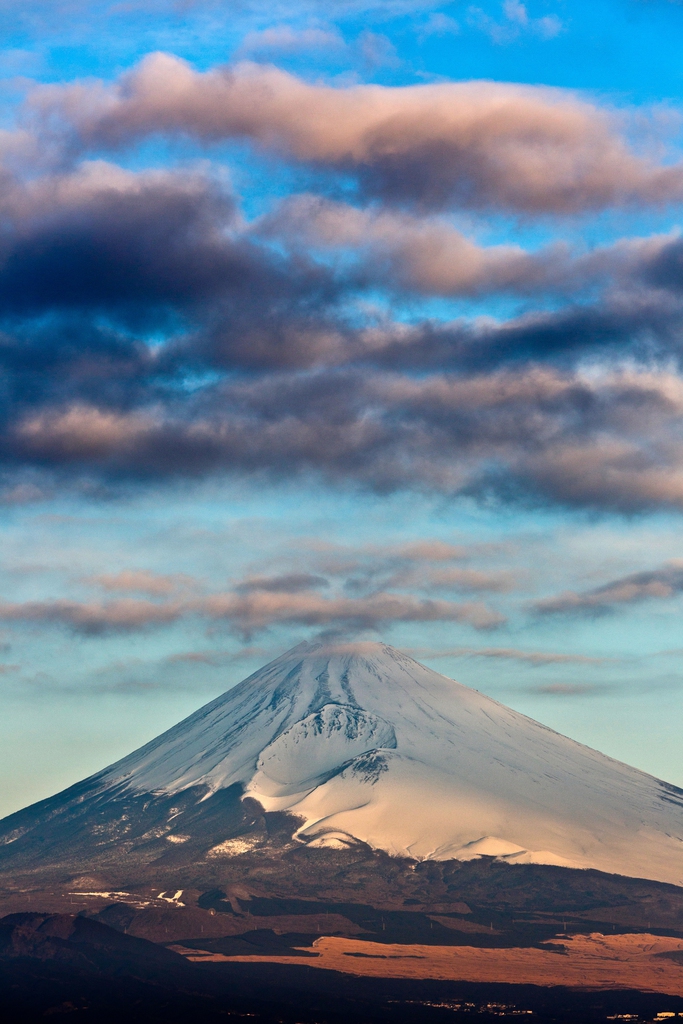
284 355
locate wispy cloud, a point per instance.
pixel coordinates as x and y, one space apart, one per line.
218 658
534 658
514 21
334 588
287 583
438 24
567 690
655 584
277 40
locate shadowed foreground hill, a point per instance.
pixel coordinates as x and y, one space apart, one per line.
56 966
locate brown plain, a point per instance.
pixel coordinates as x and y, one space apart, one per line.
593 961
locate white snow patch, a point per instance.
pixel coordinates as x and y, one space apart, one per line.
332 841
158 832
13 836
104 895
492 846
541 857
487 846
172 899
231 847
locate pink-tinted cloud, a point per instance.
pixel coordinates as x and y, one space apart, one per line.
425 550
141 581
407 252
251 612
257 610
660 584
92 617
427 255
451 578
531 149
424 566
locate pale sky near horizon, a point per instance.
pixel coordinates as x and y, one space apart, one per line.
354 319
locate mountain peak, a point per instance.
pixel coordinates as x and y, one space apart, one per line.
361 743
341 649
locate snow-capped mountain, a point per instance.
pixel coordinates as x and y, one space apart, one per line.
360 742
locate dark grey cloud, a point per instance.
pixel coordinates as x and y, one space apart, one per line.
608 439
568 689
287 583
93 261
654 584
665 268
153 244
141 248
641 323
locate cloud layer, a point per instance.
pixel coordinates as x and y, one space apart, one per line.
149 330
359 590
609 440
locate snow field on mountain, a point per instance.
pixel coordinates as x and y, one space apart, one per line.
362 742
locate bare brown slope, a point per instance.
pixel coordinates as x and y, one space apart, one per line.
648 963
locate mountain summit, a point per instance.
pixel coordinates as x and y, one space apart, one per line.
362 743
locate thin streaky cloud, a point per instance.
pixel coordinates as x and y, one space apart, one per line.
249 613
662 583
534 658
286 583
144 582
284 39
217 658
567 689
